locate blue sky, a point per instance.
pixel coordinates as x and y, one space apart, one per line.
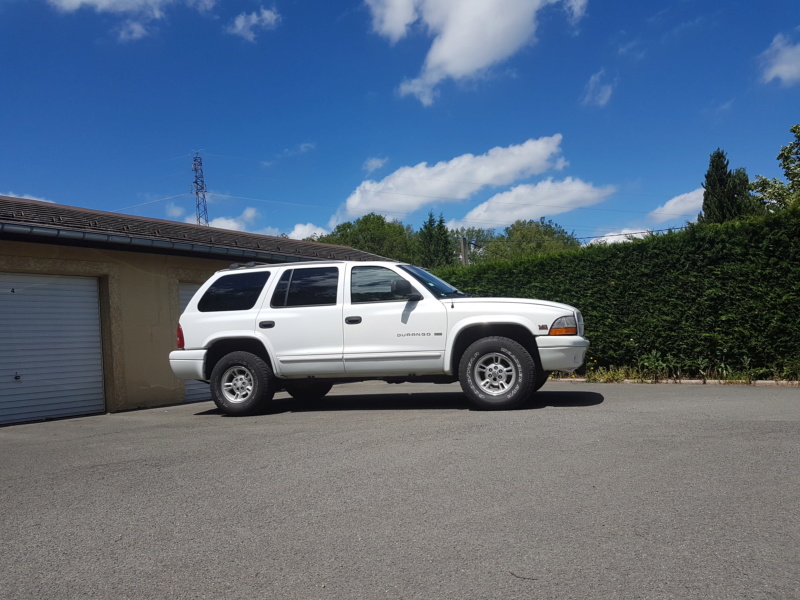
308 113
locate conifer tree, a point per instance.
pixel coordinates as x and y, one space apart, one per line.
726 194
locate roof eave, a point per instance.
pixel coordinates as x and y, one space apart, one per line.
69 237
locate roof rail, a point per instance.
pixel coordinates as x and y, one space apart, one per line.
248 265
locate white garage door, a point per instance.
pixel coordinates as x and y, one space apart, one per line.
51 362
194 391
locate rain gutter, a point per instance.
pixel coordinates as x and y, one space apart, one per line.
68 235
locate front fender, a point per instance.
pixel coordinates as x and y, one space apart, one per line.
481 321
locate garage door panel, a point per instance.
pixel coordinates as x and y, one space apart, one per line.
42 365
51 361
71 399
80 347
50 389
48 411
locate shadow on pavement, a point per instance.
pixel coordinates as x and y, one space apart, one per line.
418 401
566 399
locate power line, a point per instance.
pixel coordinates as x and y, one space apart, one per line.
150 202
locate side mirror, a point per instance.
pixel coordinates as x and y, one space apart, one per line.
401 287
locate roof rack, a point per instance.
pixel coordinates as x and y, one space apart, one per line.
248 265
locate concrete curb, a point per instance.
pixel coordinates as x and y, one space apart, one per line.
764 383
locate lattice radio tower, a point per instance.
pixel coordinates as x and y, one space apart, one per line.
199 189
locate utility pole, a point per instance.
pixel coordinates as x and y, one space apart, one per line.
199 189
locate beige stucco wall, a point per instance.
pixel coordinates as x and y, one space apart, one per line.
139 308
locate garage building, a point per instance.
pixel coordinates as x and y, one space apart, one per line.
90 300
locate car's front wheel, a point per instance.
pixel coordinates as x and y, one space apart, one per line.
541 379
241 382
497 373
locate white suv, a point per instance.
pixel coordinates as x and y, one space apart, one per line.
252 330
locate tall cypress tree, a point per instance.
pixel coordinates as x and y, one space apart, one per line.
726 194
436 246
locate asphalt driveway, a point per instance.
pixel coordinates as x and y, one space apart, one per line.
602 491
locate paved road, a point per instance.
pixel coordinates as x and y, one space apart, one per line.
604 492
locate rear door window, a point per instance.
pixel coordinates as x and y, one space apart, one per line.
316 286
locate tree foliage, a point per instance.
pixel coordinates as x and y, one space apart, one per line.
373 233
524 239
726 194
776 194
475 239
435 245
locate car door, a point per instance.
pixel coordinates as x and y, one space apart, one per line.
385 332
302 321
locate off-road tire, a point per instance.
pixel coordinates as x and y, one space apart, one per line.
497 373
541 379
241 383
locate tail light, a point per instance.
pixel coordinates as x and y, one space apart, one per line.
180 338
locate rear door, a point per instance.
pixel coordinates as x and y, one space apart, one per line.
302 321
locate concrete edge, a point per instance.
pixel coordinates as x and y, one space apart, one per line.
760 383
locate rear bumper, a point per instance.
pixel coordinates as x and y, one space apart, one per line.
562 352
188 364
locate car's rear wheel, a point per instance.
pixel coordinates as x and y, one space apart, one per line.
241 382
306 389
497 373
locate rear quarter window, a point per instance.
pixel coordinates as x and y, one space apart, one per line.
239 291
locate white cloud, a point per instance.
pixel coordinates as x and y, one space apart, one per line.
679 207
202 5
131 31
469 36
409 188
532 201
576 9
781 61
240 223
142 12
246 25
391 18
373 164
616 237
631 49
25 197
302 231
598 92
150 9
273 231
174 211
299 149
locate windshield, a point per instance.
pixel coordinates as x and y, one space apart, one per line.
439 288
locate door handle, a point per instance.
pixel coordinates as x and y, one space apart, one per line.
352 320
267 324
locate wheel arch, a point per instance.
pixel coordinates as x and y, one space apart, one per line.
222 347
472 333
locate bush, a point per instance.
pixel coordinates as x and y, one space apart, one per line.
716 298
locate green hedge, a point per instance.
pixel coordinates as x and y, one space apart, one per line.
724 297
